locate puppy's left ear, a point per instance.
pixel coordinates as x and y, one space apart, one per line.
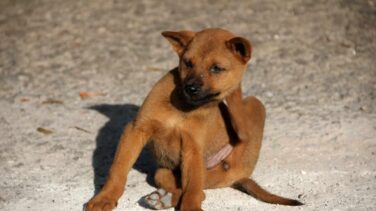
179 40
241 47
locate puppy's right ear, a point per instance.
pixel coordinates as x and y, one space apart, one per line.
179 40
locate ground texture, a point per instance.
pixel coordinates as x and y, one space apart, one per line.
313 65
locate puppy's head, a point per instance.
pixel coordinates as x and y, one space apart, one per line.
212 63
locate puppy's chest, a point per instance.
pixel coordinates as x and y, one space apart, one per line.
166 146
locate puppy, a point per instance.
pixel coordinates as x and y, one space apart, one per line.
199 142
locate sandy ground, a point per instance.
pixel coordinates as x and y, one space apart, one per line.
314 66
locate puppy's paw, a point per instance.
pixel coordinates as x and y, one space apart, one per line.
191 209
159 199
192 201
100 203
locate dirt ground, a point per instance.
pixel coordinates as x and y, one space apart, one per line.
313 65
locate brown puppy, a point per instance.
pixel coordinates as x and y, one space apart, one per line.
198 141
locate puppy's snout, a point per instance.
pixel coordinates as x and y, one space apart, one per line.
192 89
193 85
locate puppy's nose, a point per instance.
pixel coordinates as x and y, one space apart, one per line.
192 89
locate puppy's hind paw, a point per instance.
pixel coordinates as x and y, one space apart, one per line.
158 200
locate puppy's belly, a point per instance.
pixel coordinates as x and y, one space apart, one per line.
166 144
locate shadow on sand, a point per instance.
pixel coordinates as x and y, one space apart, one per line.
107 141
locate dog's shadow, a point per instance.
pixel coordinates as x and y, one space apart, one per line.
107 140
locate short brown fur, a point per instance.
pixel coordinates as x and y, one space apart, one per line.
184 129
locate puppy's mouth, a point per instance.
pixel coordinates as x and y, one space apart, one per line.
201 99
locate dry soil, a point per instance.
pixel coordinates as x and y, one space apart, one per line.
313 65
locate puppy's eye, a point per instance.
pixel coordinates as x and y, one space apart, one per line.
188 63
216 69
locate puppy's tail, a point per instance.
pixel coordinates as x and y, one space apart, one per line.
252 188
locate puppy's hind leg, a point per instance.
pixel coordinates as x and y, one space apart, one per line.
250 187
168 194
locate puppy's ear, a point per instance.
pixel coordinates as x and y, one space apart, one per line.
179 40
241 47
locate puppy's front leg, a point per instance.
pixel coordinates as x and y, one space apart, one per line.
133 139
193 173
236 109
